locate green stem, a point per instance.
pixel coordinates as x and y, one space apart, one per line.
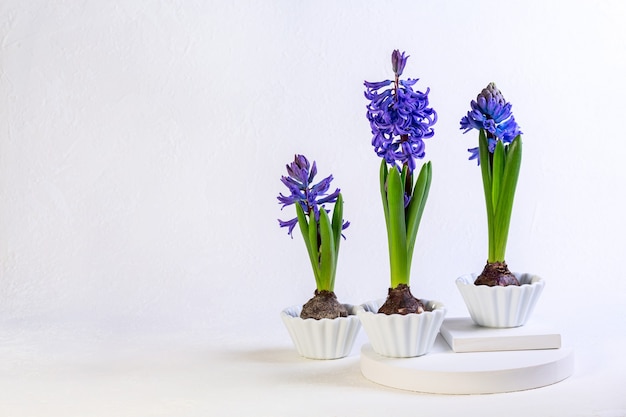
396 229
403 222
322 241
500 173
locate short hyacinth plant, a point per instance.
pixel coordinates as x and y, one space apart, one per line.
499 154
321 234
401 120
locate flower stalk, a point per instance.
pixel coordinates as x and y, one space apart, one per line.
321 234
499 154
401 120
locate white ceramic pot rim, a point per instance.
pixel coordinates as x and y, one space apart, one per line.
293 312
524 278
373 306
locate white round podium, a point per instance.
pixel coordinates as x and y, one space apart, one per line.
443 371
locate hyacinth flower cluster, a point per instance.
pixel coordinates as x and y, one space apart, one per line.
499 154
321 234
491 112
400 120
399 117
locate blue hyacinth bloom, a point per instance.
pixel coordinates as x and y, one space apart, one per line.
491 112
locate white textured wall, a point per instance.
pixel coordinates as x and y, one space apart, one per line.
141 145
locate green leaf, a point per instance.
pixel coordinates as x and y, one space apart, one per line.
396 229
312 251
315 250
383 188
302 222
416 209
406 176
499 160
328 256
337 225
337 222
504 208
485 167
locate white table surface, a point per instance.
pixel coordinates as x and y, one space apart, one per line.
58 367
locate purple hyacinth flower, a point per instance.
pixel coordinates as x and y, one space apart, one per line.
310 197
491 112
399 117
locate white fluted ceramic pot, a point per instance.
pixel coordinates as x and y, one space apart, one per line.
322 339
501 307
401 336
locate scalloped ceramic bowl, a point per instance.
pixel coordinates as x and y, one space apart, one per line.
322 339
501 307
401 336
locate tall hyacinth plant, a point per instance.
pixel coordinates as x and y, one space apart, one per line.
499 154
321 234
401 120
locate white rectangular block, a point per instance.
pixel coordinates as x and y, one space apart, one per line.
463 335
